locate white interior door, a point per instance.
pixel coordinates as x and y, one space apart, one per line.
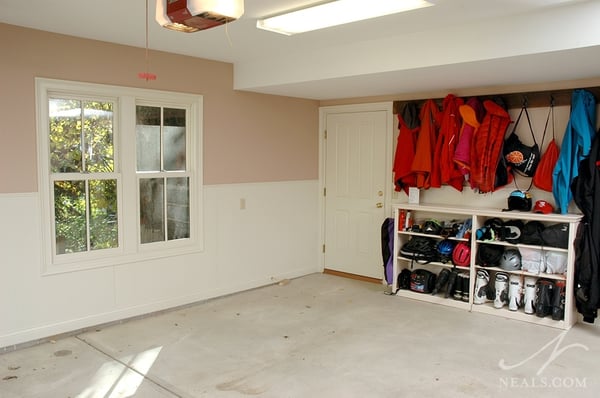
355 177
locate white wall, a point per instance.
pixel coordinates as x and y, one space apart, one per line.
274 237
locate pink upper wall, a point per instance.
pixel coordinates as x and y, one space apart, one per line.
248 137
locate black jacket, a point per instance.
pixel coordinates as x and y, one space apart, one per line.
586 194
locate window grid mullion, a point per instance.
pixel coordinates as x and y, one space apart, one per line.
82 148
88 203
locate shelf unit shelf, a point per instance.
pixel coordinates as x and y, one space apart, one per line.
478 218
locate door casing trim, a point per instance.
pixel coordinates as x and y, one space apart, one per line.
325 111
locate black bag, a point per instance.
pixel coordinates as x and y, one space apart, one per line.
421 249
523 159
422 281
532 233
556 235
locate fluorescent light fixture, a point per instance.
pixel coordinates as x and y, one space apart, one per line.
334 13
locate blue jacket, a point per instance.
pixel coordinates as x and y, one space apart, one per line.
575 145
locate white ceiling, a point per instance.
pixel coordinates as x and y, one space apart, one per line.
456 44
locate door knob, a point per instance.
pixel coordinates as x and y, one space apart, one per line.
379 205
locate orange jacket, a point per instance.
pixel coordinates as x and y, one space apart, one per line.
445 171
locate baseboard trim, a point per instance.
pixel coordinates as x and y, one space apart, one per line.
351 276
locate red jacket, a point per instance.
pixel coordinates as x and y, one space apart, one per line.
423 162
408 126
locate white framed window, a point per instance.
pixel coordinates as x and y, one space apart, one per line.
120 174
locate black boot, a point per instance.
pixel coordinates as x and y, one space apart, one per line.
544 290
558 301
452 279
441 281
466 287
458 286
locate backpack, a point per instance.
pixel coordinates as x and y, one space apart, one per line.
420 249
522 158
387 249
422 281
542 178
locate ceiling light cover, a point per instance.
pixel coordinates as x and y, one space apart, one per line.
335 13
194 15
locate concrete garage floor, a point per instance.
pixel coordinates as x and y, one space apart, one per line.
317 336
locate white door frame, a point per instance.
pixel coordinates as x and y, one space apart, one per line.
389 186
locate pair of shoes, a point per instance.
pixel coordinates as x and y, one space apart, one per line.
550 299
461 287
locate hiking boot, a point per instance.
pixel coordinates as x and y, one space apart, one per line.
441 281
529 303
544 290
558 301
481 287
515 289
501 287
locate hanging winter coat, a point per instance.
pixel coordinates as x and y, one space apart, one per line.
471 113
586 191
423 162
445 171
486 147
575 146
408 127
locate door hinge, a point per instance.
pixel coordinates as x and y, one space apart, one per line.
325 134
323 248
324 191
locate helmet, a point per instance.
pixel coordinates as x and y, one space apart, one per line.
445 248
511 260
432 226
489 255
461 255
519 200
513 230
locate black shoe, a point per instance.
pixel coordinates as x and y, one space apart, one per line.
544 290
558 301
441 281
452 279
